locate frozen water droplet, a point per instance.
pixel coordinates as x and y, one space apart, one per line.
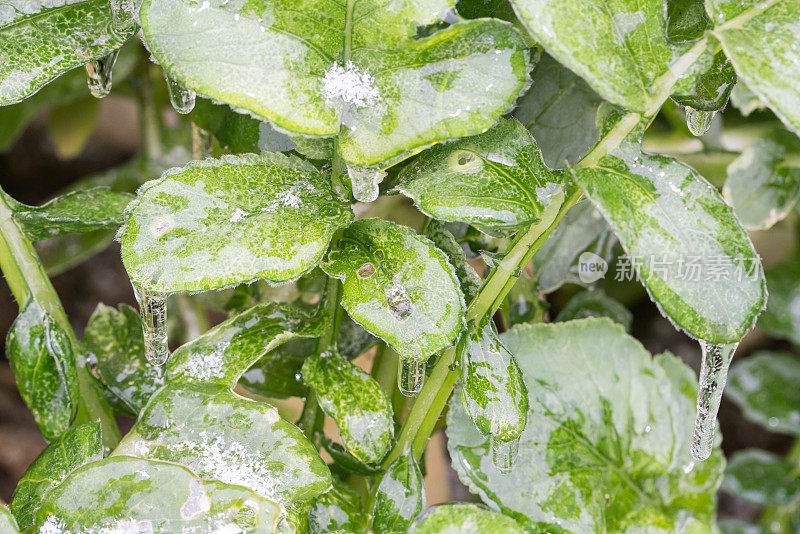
410 377
98 74
366 270
153 311
364 181
504 453
181 98
400 305
123 15
713 375
698 121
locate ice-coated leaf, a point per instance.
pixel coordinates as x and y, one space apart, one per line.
221 436
711 88
560 111
444 241
607 447
78 446
41 356
124 494
582 230
464 518
337 510
224 353
277 373
620 48
355 400
239 131
7 523
398 286
496 180
596 303
763 183
39 41
217 223
760 38
353 340
492 388
114 343
761 478
400 496
354 69
764 386
690 250
745 100
687 20
782 316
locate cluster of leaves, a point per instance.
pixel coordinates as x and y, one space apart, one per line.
509 154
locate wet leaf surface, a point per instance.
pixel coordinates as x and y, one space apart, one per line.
337 510
782 316
595 303
761 478
400 496
463 518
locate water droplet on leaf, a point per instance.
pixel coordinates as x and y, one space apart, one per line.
410 377
698 121
98 74
713 375
153 311
181 98
123 15
400 305
504 453
364 181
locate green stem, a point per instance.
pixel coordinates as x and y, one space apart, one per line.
27 279
149 121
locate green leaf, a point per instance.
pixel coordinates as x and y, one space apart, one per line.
239 132
353 340
276 373
760 38
690 250
763 183
782 317
123 494
77 211
621 49
582 230
463 518
492 389
354 70
115 344
761 478
355 400
78 446
495 181
224 353
687 20
745 100
596 303
41 41
469 280
7 523
398 286
560 111
607 449
764 387
711 88
221 436
346 461
728 525
221 222
41 357
338 510
400 496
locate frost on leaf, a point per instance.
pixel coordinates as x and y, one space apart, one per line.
351 85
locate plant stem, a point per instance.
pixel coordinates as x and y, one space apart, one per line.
149 121
27 279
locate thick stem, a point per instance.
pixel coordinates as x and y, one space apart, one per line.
27 279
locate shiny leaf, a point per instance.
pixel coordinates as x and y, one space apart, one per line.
463 518
691 252
760 38
398 286
41 40
596 304
41 357
221 436
782 317
78 446
224 353
687 20
444 241
123 494
400 496
361 409
711 88
277 373
7 523
115 344
607 449
496 180
355 70
763 183
337 510
221 222
764 386
761 478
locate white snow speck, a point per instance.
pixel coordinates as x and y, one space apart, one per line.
350 84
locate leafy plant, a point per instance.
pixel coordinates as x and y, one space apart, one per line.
521 132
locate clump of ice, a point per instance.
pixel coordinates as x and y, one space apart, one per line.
350 84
